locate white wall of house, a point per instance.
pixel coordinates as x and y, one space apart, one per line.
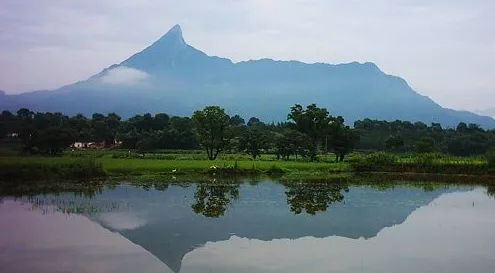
78 145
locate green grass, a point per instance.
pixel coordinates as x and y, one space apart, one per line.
421 163
138 167
10 148
181 155
118 163
40 169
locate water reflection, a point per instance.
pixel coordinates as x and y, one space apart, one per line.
453 234
184 224
52 243
313 197
490 191
213 197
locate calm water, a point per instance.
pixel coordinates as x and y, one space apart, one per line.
250 226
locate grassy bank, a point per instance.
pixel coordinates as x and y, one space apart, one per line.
46 169
423 163
78 166
28 168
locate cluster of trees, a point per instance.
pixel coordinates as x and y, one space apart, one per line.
50 133
401 136
307 132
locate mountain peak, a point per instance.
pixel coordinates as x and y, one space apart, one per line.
176 28
173 36
168 52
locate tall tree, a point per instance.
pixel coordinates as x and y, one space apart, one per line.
254 140
343 141
312 121
212 125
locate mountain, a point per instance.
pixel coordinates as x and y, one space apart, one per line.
487 112
173 77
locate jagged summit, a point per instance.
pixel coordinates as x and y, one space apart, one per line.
174 35
167 52
176 29
171 40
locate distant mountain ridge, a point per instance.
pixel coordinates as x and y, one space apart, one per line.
487 112
173 77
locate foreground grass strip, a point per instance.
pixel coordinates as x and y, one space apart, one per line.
17 169
30 166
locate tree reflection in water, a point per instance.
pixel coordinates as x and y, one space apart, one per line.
314 196
490 191
213 197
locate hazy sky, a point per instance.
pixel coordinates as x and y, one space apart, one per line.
445 49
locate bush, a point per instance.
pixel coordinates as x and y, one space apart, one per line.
374 161
81 170
425 159
490 158
425 145
275 170
381 159
85 169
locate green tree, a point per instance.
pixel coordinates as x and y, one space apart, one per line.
149 141
394 143
182 134
113 122
344 139
52 141
212 125
25 117
9 124
473 143
253 121
312 121
425 145
81 128
254 140
161 121
293 142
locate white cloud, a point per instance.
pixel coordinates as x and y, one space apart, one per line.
122 221
124 75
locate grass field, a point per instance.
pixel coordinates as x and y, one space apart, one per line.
136 167
119 163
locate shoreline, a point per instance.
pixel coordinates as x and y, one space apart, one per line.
51 169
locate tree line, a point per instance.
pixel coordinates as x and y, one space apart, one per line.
308 131
405 136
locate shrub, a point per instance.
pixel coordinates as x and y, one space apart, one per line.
381 159
425 159
490 158
425 145
82 169
374 161
85 169
275 170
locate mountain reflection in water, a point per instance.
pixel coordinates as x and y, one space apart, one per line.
268 226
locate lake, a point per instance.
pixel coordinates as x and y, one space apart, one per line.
249 226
